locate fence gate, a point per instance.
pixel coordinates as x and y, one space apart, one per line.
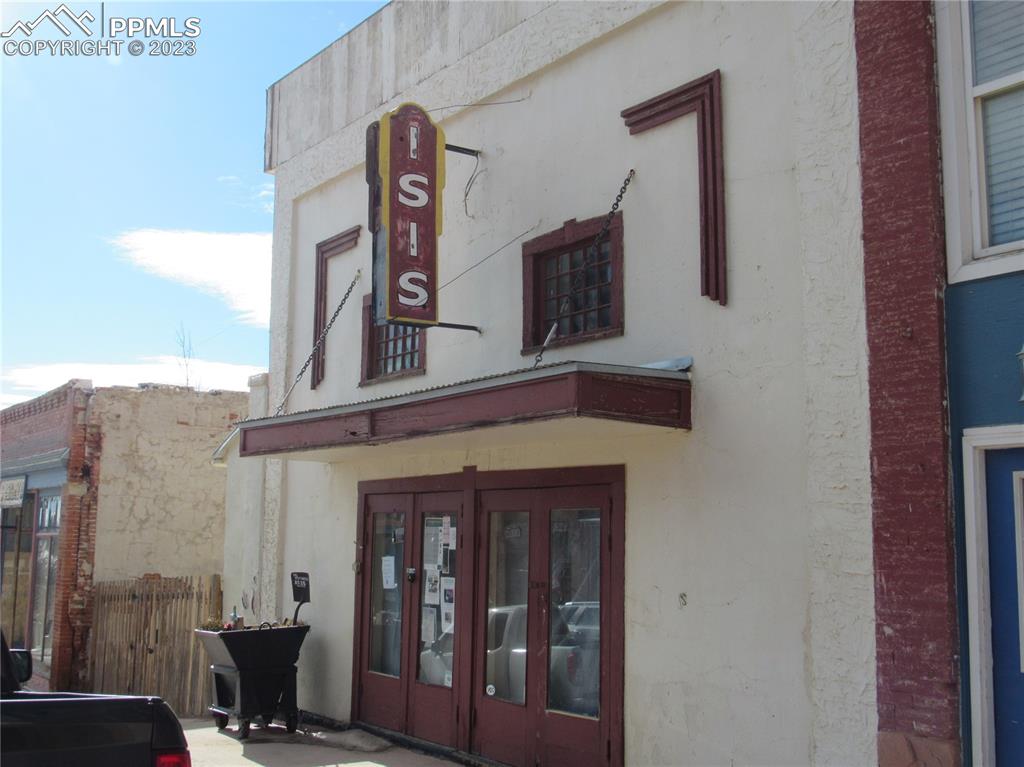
143 641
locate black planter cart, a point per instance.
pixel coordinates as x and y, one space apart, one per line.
253 673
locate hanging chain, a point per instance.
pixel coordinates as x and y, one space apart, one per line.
577 283
319 342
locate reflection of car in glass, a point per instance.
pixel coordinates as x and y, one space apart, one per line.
574 652
506 652
436 660
574 683
582 615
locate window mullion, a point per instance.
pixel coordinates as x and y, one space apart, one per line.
995 86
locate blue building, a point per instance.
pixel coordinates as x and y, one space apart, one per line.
981 93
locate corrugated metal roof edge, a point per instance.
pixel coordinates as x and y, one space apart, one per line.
675 369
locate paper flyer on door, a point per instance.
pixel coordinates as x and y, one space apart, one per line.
387 567
432 586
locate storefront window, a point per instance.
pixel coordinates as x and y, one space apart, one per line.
45 576
16 575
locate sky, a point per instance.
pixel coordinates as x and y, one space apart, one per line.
135 216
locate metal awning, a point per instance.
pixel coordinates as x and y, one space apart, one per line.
642 395
48 461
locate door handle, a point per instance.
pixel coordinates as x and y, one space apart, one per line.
410 574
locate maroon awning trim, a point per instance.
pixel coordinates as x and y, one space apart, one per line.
568 390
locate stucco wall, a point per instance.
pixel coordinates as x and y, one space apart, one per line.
240 582
762 513
161 502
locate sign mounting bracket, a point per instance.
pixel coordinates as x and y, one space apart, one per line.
457 326
462 150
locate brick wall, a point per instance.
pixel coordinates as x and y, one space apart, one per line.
50 422
904 254
37 426
72 609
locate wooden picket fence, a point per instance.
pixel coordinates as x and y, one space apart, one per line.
143 641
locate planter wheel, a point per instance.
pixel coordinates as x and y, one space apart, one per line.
243 729
221 720
292 722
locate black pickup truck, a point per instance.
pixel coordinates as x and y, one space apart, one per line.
65 729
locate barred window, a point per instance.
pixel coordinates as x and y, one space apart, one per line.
573 285
577 290
391 351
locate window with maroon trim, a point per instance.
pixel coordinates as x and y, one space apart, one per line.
571 284
325 250
390 351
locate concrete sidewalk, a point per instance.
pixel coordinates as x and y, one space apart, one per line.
309 747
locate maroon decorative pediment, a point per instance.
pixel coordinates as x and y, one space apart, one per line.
325 250
702 97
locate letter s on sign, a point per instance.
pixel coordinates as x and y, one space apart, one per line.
411 195
415 294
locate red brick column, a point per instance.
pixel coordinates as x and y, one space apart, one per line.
72 610
904 272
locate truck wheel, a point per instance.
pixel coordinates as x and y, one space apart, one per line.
221 720
292 722
243 729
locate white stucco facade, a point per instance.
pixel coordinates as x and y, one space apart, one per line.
160 504
761 514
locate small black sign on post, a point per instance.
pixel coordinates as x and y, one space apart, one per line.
300 592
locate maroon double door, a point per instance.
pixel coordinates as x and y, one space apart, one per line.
489 613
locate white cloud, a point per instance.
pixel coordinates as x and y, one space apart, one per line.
254 196
233 267
27 381
6 400
265 197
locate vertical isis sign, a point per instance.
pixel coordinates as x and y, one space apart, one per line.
405 173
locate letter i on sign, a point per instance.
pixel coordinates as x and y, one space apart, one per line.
414 149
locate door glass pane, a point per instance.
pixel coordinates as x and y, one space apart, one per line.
574 657
437 600
386 593
507 587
